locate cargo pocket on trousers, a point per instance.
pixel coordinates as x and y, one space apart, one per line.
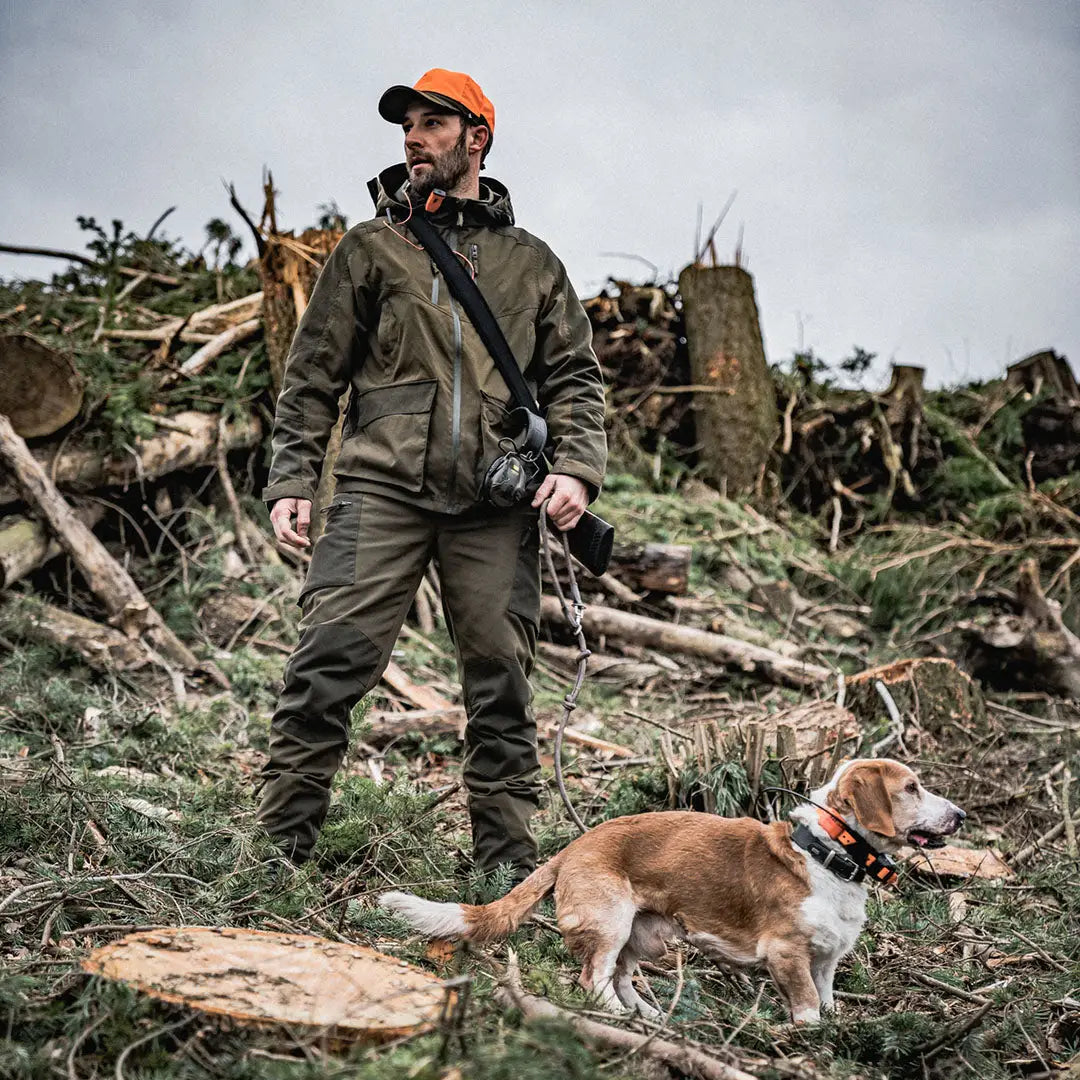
333 562
525 591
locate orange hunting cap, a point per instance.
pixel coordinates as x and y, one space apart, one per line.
452 90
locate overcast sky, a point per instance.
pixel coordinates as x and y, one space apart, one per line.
908 174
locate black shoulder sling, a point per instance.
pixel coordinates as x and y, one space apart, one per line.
592 538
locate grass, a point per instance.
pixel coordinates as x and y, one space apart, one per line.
121 806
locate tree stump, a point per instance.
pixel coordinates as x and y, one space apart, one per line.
40 388
1029 649
1044 370
738 423
931 693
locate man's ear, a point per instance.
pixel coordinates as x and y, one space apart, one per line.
862 788
478 137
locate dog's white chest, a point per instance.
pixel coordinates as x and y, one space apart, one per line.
835 910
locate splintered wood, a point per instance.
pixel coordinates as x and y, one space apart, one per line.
266 979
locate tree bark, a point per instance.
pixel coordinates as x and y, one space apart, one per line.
111 584
656 567
101 646
189 443
288 269
718 648
26 544
737 426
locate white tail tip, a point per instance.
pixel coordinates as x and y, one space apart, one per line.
428 916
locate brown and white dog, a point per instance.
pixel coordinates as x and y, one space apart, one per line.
742 892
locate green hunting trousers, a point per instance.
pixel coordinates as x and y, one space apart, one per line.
364 572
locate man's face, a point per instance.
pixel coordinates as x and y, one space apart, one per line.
435 151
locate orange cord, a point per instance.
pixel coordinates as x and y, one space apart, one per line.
420 247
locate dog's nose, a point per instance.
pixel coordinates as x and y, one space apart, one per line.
961 816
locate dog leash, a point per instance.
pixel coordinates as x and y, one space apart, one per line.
573 618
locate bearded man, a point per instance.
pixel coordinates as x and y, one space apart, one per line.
428 411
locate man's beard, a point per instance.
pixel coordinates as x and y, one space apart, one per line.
445 171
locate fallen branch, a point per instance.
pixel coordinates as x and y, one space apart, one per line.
692 642
681 1058
25 544
126 606
191 442
199 361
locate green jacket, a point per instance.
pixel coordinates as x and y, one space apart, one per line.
428 406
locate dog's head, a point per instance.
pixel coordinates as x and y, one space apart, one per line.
884 798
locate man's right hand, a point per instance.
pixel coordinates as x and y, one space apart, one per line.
281 515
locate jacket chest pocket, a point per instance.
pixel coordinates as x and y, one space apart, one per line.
333 562
388 434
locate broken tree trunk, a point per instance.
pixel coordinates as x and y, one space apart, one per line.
737 425
931 693
101 646
718 648
1032 649
41 390
26 544
126 606
190 441
288 269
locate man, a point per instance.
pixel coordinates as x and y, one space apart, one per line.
428 414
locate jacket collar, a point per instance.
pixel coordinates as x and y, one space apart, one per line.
389 191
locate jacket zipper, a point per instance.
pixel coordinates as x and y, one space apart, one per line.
455 421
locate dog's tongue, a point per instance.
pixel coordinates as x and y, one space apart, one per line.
925 840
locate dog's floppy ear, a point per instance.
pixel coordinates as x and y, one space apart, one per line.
862 789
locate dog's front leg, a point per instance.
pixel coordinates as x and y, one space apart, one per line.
823 971
789 965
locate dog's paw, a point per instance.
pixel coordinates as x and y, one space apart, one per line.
806 1016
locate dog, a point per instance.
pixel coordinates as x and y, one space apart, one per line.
744 893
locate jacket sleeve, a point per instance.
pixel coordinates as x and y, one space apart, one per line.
328 346
570 388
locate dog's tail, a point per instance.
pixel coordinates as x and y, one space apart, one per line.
476 922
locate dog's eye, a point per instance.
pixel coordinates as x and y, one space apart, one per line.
911 787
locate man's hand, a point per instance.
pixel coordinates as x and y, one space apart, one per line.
281 516
569 498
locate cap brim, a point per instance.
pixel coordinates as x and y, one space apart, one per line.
395 103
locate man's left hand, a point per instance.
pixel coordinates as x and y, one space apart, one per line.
569 498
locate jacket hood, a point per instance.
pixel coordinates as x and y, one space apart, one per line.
493 208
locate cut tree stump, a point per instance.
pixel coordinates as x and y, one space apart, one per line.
1044 370
40 389
190 441
738 424
125 604
931 693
